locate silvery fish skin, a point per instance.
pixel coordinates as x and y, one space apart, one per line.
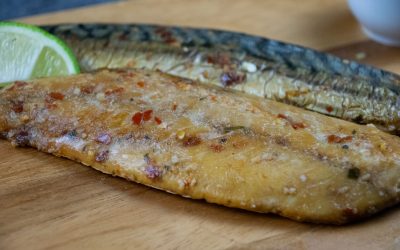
262 67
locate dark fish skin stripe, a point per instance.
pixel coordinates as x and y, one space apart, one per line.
303 77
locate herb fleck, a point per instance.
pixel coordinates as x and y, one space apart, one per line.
234 128
353 173
223 140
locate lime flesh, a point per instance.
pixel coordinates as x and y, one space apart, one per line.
28 52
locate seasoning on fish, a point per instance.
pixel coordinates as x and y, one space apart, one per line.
238 150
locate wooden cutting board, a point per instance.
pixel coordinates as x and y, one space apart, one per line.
49 202
53 203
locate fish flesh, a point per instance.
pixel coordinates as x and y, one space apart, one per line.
206 142
254 65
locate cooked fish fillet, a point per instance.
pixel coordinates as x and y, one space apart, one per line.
208 143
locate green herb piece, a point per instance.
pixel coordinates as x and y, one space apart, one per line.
353 173
234 128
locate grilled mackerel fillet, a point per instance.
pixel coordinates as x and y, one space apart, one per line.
262 67
206 142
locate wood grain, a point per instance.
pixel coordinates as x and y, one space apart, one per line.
52 203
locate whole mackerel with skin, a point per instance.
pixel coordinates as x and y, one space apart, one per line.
207 142
254 65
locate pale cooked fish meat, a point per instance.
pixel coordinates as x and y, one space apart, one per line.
206 142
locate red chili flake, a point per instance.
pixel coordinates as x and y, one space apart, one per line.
220 59
165 34
18 106
350 213
87 89
102 156
295 125
232 78
20 83
213 98
118 90
280 140
152 172
191 141
147 115
137 118
51 105
217 147
338 139
104 138
282 116
329 109
56 96
157 120
298 125
140 84
174 106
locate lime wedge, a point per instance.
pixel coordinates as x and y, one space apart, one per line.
28 52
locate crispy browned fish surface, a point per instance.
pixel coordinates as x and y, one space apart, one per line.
208 143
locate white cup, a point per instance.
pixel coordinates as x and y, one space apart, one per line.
380 19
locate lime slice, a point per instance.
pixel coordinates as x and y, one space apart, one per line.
28 52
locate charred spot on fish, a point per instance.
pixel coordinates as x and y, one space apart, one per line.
191 141
223 140
232 78
337 139
350 213
345 146
146 158
358 119
353 132
21 139
146 137
102 156
281 141
353 173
